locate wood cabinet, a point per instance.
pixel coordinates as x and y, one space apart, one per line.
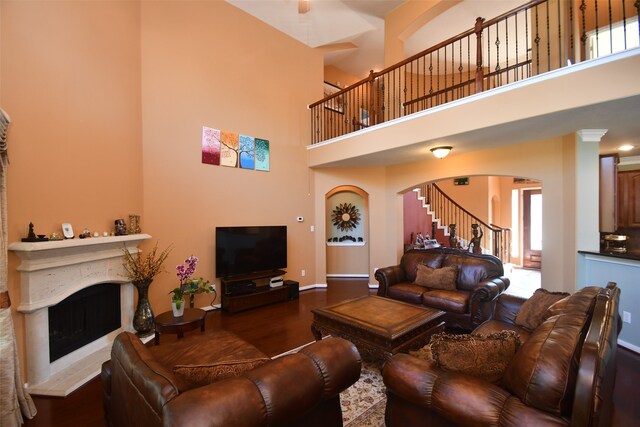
629 199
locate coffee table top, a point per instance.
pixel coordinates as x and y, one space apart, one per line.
384 317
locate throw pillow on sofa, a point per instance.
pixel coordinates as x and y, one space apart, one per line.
203 374
484 356
443 278
535 310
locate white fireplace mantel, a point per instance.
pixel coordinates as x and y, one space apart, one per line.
50 272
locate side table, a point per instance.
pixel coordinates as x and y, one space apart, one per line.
167 323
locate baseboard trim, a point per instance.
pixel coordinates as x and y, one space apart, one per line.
374 285
316 286
348 275
629 346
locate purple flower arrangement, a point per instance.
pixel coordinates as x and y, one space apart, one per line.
187 269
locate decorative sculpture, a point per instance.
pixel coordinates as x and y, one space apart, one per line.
453 238
474 245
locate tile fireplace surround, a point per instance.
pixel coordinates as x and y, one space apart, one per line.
49 273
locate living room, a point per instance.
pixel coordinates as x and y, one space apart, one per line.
107 103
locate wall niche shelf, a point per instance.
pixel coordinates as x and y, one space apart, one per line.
346 243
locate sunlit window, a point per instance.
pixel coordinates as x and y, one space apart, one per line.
615 39
515 219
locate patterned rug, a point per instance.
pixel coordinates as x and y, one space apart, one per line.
364 402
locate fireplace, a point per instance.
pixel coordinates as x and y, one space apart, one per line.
56 273
83 318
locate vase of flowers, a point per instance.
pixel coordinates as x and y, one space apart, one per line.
177 302
190 286
141 271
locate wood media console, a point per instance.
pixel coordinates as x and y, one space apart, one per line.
262 295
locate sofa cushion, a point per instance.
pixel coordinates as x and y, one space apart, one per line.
452 301
212 356
545 367
492 326
471 270
484 356
534 311
437 278
581 301
409 262
407 292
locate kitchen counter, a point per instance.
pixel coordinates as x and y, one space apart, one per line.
632 255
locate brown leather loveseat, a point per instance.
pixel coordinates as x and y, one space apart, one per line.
142 386
480 280
562 375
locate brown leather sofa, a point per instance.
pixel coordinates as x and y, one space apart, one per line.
479 282
563 375
141 388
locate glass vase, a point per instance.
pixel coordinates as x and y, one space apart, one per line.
143 317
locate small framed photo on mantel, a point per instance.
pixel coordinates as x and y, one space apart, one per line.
334 104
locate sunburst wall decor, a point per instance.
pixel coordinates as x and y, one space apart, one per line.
345 216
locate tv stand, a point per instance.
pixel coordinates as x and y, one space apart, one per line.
263 294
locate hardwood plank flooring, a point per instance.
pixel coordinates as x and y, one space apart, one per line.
280 327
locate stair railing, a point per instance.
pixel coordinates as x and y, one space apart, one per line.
537 37
496 240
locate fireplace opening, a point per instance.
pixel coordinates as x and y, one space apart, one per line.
83 318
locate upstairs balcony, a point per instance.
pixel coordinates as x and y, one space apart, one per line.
569 42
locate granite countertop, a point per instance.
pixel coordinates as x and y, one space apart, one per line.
632 255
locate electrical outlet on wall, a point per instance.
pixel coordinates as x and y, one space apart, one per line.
626 317
303 273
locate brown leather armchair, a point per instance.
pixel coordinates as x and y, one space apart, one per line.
563 375
300 389
479 282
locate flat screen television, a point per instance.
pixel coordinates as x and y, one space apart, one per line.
247 250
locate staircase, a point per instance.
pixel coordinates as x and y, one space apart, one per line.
453 225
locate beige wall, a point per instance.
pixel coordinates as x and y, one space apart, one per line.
473 197
552 161
70 78
108 100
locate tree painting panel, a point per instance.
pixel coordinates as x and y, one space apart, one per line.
229 149
262 154
247 152
210 146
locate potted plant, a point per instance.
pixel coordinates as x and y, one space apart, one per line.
141 270
188 286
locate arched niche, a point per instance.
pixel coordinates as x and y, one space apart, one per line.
347 219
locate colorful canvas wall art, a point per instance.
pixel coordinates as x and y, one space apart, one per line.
247 152
210 146
262 154
229 149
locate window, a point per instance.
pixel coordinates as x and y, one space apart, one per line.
608 40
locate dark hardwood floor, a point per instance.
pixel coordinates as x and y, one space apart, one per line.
280 327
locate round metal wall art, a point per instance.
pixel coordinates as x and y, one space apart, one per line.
345 216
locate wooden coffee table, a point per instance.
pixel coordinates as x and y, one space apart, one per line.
166 322
379 327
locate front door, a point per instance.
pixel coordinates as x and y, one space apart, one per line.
532 228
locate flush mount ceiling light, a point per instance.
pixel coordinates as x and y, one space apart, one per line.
626 147
441 152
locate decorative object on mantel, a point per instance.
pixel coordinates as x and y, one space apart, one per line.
134 224
141 271
55 236
31 236
121 227
67 231
345 216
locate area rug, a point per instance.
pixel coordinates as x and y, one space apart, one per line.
364 402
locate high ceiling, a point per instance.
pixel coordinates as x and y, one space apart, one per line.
351 33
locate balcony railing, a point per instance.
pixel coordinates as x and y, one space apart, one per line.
537 37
